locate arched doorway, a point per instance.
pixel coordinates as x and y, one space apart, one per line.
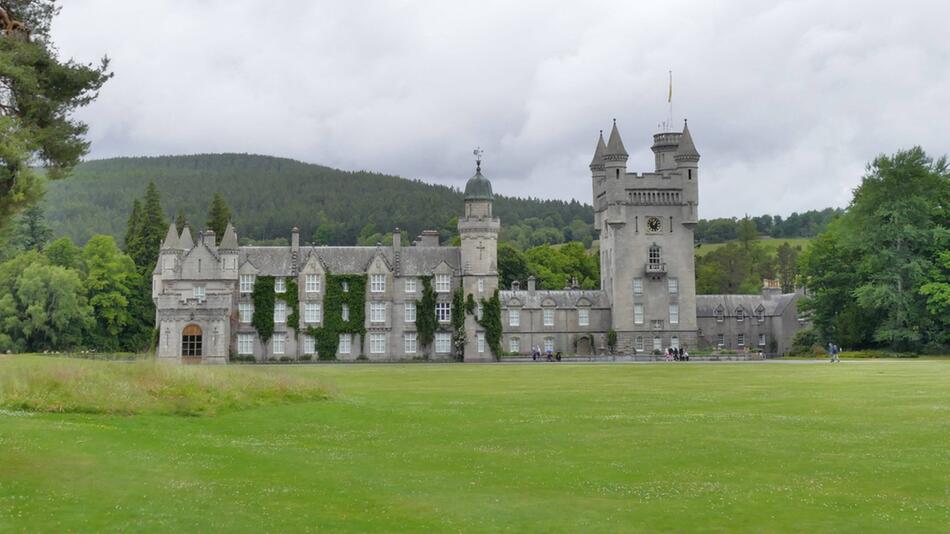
585 346
191 344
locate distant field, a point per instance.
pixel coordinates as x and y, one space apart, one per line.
769 243
756 447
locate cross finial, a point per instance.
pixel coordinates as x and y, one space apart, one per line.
478 158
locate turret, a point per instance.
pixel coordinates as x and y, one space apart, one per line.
228 251
615 156
598 176
687 163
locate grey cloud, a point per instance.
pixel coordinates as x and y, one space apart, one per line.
787 101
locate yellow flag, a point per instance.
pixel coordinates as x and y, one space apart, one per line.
669 98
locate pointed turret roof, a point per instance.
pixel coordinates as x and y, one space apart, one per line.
686 148
186 241
171 237
229 241
615 144
598 160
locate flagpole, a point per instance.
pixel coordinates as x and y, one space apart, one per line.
669 98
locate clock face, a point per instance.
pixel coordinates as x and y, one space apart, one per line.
653 223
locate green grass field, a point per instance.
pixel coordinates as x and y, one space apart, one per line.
756 447
770 243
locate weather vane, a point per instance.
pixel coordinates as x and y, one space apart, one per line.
478 158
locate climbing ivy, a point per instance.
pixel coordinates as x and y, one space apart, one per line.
491 322
290 296
327 337
470 305
426 324
458 323
263 318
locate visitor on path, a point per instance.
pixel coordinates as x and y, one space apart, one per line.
685 354
833 349
535 352
550 355
558 356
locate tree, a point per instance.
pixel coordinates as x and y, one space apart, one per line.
180 221
32 231
63 252
151 231
219 215
110 280
787 257
512 265
133 228
40 92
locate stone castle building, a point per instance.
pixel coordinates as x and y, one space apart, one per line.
203 290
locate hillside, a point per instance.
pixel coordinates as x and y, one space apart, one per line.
771 244
268 196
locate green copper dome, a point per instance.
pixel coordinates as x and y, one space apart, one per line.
478 188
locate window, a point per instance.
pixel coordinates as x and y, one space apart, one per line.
549 344
514 317
280 312
312 283
481 285
345 312
377 343
719 315
443 283
675 342
346 340
720 340
410 285
345 286
443 342
657 343
761 340
377 283
654 255
245 344
480 342
514 345
309 345
478 311
740 340
638 343
311 312
409 342
443 312
740 314
246 312
198 292
280 286
673 284
410 312
278 343
377 312
548 316
638 314
247 283
583 317
674 313
760 314
638 286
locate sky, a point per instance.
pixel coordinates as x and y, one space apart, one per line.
787 101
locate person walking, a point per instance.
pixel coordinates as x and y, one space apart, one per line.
834 354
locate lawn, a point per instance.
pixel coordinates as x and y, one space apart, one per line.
758 447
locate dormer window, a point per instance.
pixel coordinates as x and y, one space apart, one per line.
740 315
720 315
760 314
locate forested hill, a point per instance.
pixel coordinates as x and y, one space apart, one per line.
268 196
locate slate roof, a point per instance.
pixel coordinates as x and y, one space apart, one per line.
615 144
414 261
686 147
563 298
774 304
598 160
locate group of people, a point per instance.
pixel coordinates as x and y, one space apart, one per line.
550 355
676 354
833 350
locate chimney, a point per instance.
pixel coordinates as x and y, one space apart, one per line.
295 239
428 238
208 239
531 284
515 285
397 239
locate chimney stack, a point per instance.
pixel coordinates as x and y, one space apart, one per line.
531 284
208 239
397 239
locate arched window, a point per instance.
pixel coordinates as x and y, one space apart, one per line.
654 255
191 341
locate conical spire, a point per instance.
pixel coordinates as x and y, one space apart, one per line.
229 241
186 242
598 161
615 144
686 148
171 238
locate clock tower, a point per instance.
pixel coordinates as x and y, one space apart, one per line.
645 222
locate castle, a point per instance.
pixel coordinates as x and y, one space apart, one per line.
204 290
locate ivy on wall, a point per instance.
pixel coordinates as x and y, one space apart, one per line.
327 337
458 323
290 296
263 318
426 323
491 322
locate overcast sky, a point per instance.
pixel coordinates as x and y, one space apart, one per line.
787 101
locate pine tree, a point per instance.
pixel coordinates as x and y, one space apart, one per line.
132 228
180 220
151 231
218 216
33 233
